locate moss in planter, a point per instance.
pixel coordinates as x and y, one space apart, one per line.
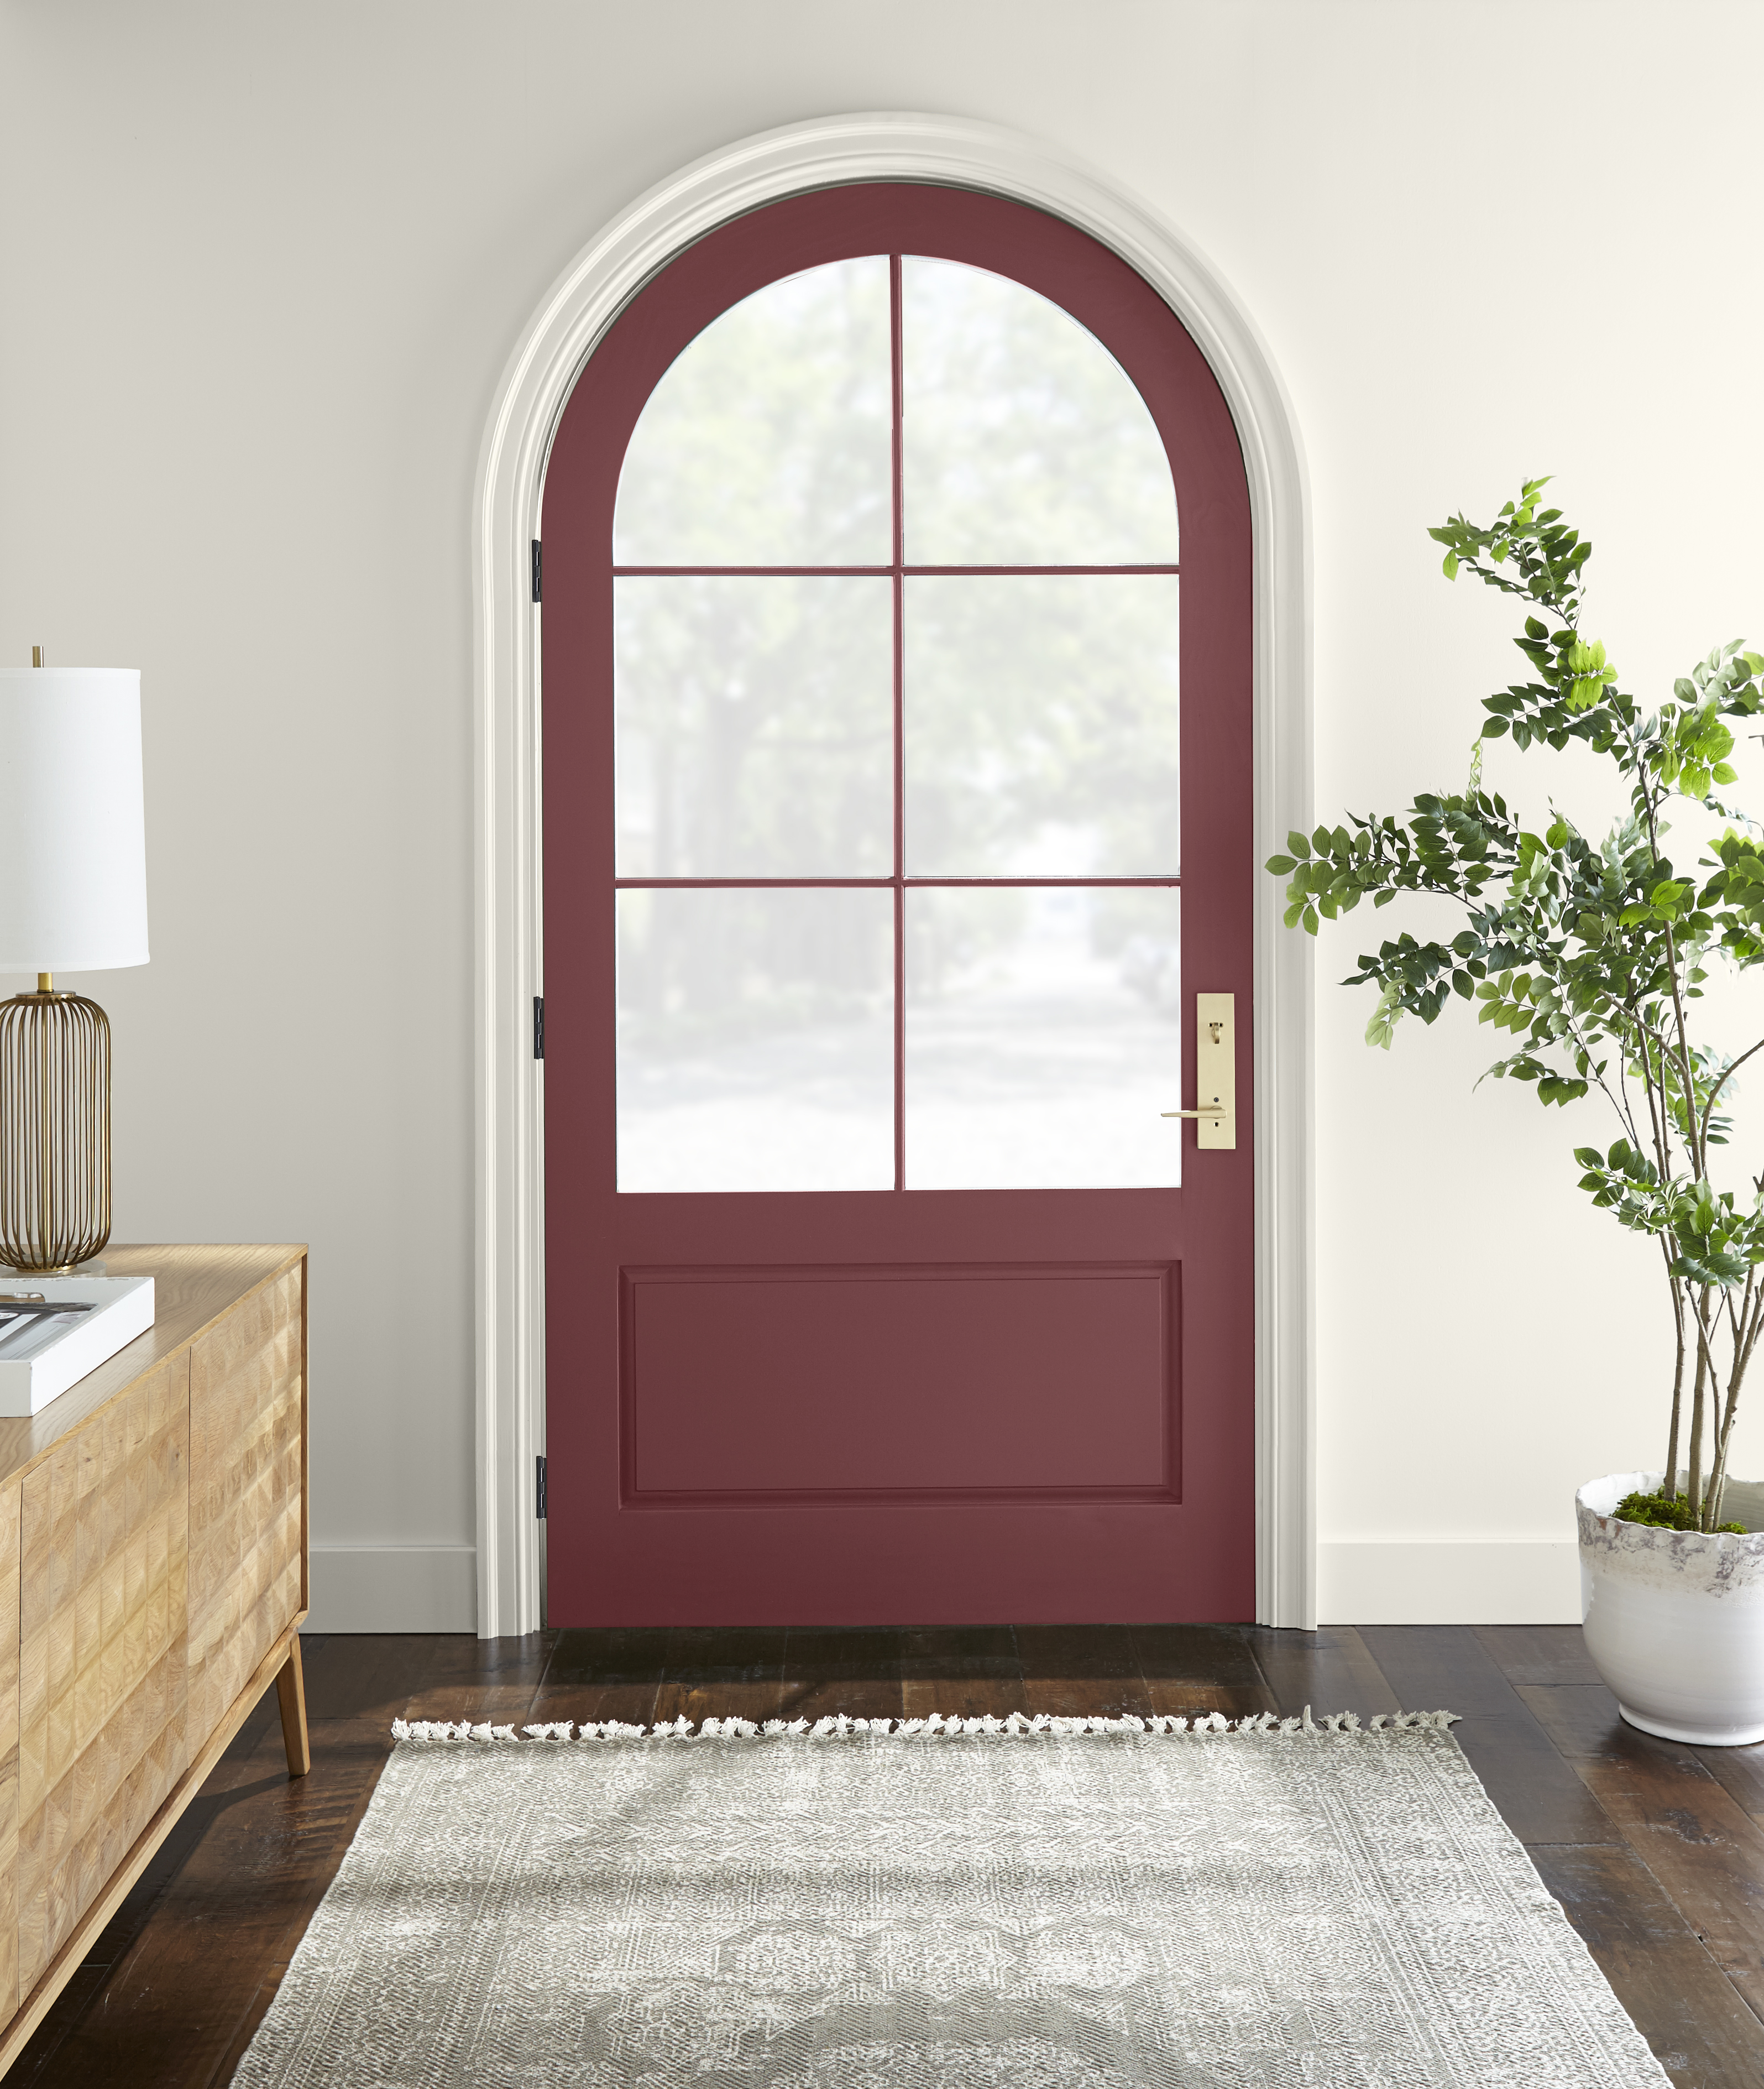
1663 1514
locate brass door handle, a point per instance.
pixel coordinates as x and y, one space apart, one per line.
1214 1073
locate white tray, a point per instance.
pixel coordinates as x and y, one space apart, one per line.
42 1360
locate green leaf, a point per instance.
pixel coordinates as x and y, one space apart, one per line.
1298 844
1280 865
1385 1018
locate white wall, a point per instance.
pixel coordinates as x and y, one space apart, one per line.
262 268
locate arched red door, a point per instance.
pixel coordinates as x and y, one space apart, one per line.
897 800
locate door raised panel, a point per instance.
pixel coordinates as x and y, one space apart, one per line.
103 1734
245 1493
900 1383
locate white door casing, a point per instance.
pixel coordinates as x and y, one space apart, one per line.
509 1246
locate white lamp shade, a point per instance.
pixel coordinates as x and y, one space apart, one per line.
73 846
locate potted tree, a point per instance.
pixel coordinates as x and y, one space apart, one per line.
1589 955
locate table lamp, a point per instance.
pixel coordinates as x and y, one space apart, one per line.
73 898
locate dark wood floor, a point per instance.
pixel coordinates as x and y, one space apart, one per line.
1655 1850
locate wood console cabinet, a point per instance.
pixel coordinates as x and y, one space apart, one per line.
152 1582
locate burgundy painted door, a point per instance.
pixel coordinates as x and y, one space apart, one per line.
896 804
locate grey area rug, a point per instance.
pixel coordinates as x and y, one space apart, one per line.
1047 1904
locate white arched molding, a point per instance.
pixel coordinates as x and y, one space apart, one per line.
509 1146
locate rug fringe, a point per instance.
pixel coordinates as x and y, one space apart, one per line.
935 1727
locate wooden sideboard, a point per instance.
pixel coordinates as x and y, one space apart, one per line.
152 1582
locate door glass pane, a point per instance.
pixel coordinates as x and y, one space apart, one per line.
1042 1039
756 1039
768 442
755 727
1042 726
1024 442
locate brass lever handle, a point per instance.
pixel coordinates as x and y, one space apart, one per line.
1215 1077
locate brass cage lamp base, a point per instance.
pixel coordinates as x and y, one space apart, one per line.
54 1131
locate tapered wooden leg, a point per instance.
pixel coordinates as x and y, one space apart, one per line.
291 1693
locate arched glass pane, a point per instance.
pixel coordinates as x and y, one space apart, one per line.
755 722
1042 725
1039 738
768 442
1024 443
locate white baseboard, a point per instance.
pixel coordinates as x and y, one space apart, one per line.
1445 1581
393 1589
1448 1581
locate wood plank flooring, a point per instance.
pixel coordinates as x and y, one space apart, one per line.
1655 1850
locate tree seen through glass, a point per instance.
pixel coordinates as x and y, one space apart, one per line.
756 719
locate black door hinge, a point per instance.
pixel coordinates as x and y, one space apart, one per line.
538 564
539 1491
539 1026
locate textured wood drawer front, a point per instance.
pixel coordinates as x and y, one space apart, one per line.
245 1492
102 1730
9 1748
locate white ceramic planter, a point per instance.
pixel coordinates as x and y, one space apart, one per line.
1675 1619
